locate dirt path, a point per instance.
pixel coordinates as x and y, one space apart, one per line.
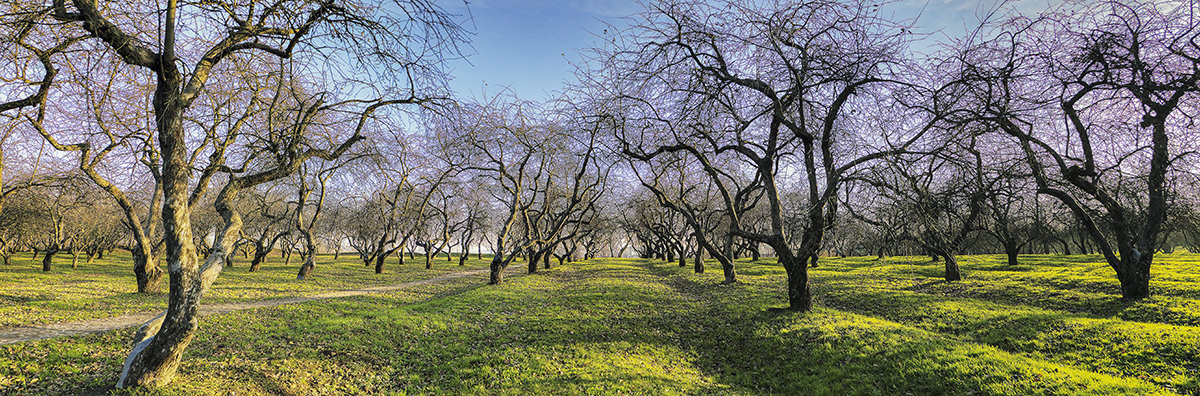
14 335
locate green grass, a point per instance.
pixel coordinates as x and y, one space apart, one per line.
1064 309
643 327
106 287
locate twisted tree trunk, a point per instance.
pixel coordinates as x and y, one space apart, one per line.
496 270
309 257
159 348
255 263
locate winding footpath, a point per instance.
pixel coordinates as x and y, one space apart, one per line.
12 335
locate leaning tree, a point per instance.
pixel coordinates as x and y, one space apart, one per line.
1099 98
400 52
681 187
542 173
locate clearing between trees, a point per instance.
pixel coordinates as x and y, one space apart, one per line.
11 335
1051 325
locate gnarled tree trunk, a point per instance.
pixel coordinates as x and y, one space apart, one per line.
155 356
1134 275
310 261
146 270
496 270
47 257
799 295
257 261
1011 250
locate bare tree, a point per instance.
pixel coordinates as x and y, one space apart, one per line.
183 63
21 45
267 222
474 220
307 219
435 225
395 210
1124 78
697 204
1011 216
773 87
543 176
943 199
58 203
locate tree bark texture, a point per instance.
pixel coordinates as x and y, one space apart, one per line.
799 294
46 259
496 273
953 274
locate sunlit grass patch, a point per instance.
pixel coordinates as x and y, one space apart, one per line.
649 327
107 288
1050 309
1162 354
63 366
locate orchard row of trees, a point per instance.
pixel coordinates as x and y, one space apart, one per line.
821 126
195 135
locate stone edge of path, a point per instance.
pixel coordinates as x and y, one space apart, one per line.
13 335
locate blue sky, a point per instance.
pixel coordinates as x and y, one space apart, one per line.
529 45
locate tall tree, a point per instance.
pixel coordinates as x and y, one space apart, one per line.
1123 76
401 52
780 87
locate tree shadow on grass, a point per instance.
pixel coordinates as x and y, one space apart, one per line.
814 353
266 383
1016 332
664 324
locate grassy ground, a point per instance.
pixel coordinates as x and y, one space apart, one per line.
1049 326
106 287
